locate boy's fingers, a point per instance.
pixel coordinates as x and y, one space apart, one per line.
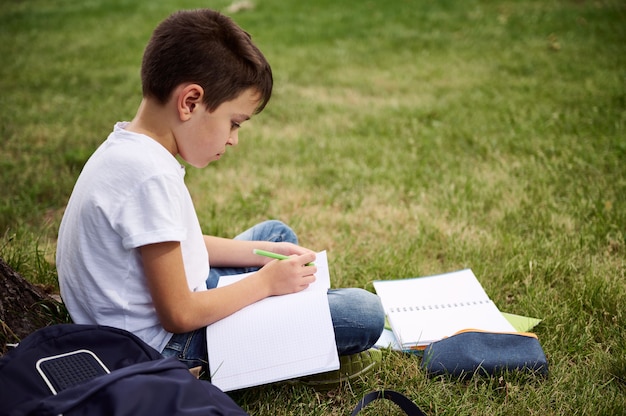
308 279
308 258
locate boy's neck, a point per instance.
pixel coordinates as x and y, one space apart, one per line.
152 120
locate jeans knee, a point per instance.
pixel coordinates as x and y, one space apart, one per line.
358 319
374 311
270 230
279 231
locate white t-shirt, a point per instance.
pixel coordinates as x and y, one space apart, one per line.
130 193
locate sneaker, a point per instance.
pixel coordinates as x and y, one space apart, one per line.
350 368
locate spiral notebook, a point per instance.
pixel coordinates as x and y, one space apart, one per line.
426 309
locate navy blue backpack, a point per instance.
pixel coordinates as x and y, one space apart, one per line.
72 370
94 370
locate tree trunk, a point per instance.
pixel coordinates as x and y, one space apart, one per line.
24 307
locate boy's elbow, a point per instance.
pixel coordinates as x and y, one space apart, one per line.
177 323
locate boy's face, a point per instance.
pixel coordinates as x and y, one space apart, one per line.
204 137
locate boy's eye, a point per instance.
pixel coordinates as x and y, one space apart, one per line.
234 125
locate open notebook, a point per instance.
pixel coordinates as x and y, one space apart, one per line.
426 309
275 339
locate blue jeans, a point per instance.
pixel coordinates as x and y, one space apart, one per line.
357 315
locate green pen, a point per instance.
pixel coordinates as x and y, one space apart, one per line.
274 255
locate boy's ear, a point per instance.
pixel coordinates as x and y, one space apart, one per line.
188 100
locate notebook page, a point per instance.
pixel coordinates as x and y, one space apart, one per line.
275 339
427 309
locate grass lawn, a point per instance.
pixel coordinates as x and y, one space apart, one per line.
407 138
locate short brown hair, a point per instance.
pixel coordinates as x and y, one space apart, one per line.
206 48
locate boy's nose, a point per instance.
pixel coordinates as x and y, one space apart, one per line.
233 139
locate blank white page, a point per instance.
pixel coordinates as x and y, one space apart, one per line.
275 339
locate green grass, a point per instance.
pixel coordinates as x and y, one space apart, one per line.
406 138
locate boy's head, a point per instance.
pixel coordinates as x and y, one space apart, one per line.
206 48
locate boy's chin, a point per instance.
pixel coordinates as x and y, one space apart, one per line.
203 163
199 165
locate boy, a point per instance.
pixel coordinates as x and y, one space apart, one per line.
131 253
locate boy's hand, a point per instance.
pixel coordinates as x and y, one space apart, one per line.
289 276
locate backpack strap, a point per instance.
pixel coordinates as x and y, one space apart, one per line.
400 399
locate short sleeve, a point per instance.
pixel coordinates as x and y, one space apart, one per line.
152 212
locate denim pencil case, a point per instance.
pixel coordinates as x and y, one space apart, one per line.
478 352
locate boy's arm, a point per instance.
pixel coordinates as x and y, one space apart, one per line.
181 310
225 252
